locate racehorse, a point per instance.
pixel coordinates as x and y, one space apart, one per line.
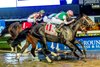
14 29
37 33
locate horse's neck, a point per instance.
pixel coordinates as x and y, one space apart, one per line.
77 25
72 25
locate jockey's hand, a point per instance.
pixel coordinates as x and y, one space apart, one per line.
69 22
73 20
39 19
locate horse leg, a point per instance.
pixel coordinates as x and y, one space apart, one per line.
84 52
33 41
12 49
22 50
72 48
25 46
9 43
19 46
44 45
45 50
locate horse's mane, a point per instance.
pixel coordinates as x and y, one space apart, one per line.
79 16
8 25
76 21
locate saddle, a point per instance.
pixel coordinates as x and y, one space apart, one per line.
51 29
26 25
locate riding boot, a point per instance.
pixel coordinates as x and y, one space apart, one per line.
58 29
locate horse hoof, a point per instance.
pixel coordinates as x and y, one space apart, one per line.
18 55
36 59
54 54
58 58
48 59
53 57
50 62
65 56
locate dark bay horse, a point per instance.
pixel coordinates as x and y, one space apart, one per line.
13 29
37 33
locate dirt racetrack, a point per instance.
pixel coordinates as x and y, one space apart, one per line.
8 60
71 63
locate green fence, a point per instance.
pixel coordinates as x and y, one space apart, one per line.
3 43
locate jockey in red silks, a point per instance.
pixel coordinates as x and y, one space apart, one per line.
34 18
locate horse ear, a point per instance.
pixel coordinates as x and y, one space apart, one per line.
81 14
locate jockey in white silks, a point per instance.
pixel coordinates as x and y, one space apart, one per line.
35 17
48 19
59 18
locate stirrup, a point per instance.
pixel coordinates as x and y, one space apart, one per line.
58 31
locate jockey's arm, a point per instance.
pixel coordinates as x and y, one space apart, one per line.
39 19
69 22
32 16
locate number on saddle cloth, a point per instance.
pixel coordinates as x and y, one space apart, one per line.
26 25
50 29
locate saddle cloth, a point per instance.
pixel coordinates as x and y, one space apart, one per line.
26 25
50 29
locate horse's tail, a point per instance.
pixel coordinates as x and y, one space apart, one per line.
21 36
4 32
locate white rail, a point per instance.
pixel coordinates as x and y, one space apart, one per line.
79 32
93 31
14 19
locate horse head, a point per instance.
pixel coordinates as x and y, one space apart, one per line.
87 20
86 23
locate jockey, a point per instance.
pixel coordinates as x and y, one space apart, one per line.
47 19
36 17
59 18
63 17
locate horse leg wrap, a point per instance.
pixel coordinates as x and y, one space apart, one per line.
48 59
18 55
54 54
12 49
